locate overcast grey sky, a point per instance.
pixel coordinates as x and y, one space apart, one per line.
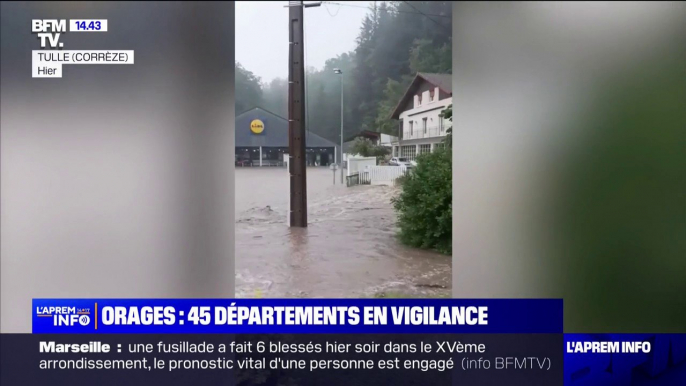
262 34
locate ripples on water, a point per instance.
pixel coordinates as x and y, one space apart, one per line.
349 248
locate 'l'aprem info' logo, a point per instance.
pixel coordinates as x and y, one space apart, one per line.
65 316
47 62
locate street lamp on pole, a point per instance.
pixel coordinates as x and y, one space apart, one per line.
339 72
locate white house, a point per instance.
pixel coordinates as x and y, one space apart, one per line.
421 128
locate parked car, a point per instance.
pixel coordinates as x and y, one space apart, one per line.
400 161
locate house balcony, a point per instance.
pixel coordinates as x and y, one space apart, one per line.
429 132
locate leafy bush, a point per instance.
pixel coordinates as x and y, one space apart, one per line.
400 181
424 206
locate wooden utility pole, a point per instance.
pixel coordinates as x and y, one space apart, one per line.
296 116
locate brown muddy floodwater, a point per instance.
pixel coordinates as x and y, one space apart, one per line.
349 248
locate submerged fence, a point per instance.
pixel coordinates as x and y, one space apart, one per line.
377 175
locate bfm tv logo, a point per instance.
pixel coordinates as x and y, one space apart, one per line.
65 316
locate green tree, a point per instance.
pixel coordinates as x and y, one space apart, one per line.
275 96
362 146
324 100
425 56
392 95
366 148
364 75
248 89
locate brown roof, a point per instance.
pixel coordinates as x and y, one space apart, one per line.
443 81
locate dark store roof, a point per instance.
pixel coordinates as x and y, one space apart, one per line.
275 132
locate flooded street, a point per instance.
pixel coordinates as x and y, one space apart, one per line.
348 250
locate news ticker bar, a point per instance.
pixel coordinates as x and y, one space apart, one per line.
241 316
469 359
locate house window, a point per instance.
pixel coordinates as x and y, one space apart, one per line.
440 124
424 125
432 95
419 100
411 128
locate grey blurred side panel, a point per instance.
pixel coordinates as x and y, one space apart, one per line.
117 181
569 163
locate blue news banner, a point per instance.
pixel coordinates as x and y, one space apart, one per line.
243 316
587 359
